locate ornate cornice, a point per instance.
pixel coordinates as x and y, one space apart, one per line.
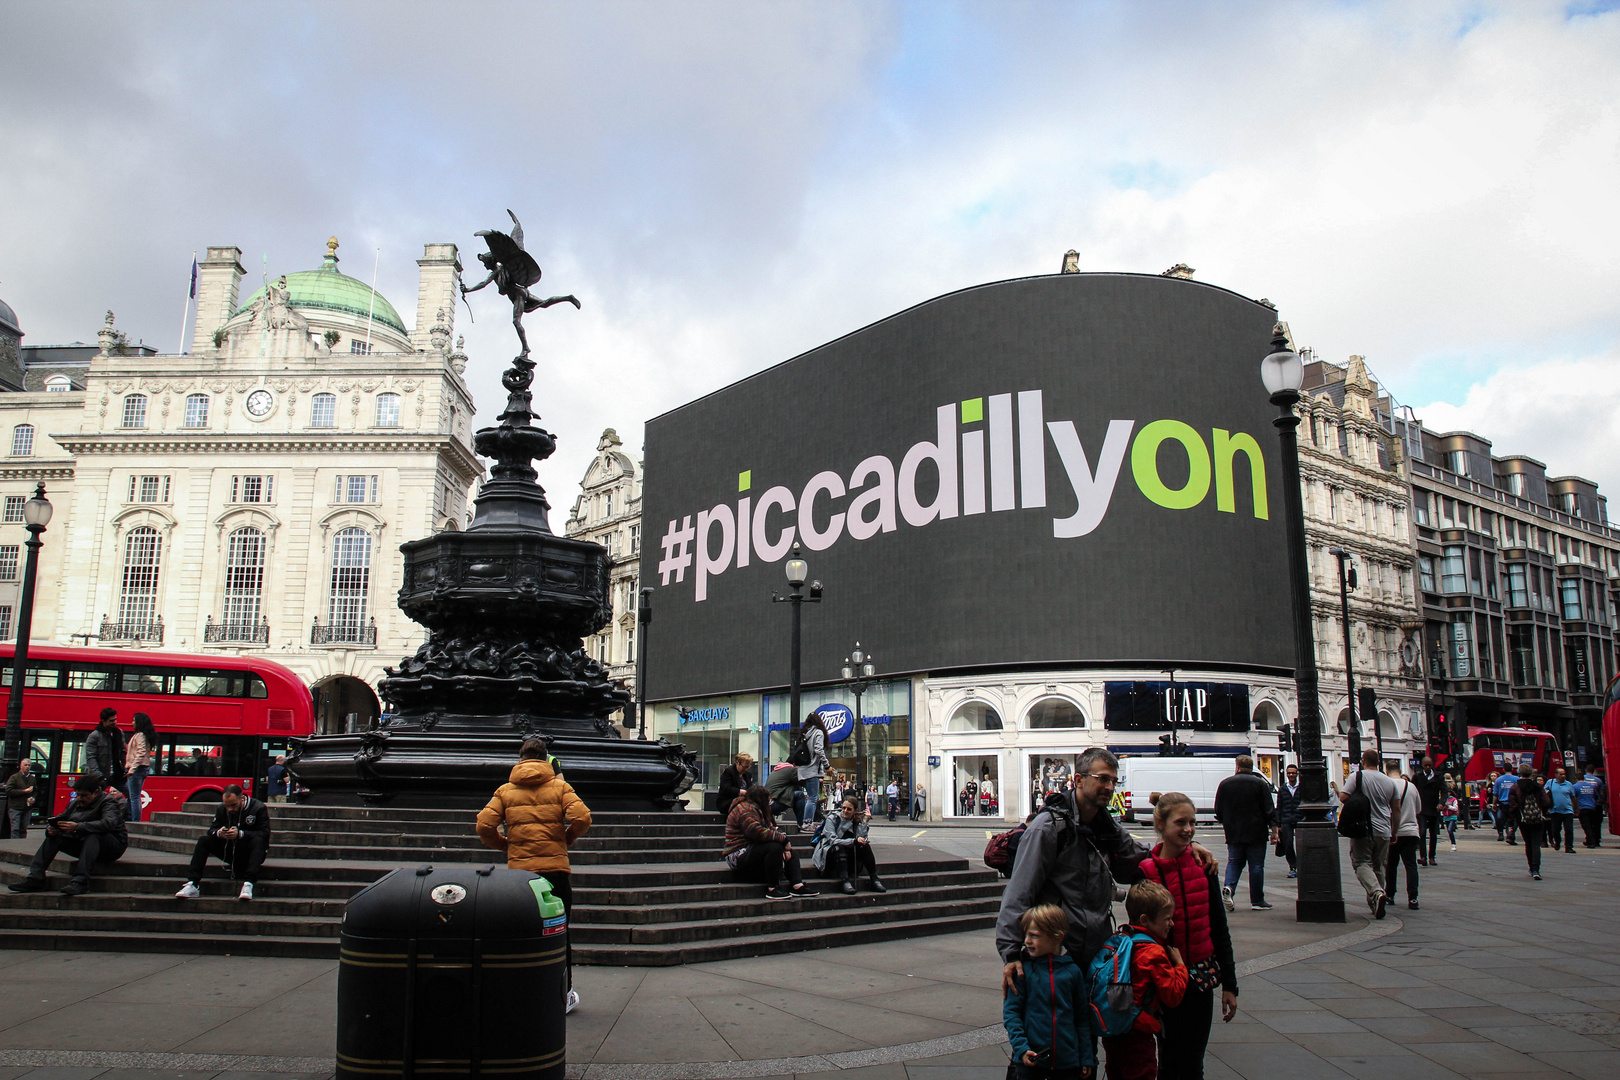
303 442
55 470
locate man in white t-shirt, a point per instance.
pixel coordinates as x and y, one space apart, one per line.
1406 838
1369 854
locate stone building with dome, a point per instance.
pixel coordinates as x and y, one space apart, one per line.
608 512
252 492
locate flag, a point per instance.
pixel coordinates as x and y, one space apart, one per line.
194 278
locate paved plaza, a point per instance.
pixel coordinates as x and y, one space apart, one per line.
1496 975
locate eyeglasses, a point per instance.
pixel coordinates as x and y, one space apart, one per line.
1102 778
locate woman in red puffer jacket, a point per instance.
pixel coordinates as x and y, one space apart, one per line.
1200 933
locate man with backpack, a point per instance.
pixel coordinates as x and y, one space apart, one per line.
1530 807
1071 855
1364 818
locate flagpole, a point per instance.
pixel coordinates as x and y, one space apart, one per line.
372 307
185 309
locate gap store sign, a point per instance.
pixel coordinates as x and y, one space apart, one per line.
1063 469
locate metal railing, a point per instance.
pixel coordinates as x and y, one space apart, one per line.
249 633
132 631
343 633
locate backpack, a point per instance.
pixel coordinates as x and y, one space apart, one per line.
799 750
1002 849
1355 816
1113 995
1531 812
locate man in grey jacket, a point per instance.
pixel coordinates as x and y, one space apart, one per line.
104 749
1071 856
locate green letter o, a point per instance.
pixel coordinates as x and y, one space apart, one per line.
1145 464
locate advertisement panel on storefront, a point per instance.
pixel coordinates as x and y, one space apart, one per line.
1067 469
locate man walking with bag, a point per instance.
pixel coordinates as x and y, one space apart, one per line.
1244 808
1364 818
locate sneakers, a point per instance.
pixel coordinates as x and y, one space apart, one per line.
1261 906
1380 902
28 884
1536 876
1293 873
189 891
778 894
801 890
1453 847
1423 862
247 891
1412 905
1226 898
76 887
572 1003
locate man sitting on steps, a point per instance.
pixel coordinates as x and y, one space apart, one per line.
92 827
239 837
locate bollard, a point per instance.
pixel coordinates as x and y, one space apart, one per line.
453 972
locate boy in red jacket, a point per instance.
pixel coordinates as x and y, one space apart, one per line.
1159 977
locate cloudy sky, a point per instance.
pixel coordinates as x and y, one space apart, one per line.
1435 186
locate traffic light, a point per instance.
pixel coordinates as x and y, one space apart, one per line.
1285 738
1367 700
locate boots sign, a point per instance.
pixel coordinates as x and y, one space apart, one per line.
1068 469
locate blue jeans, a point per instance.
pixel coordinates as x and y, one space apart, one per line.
812 793
136 781
1255 856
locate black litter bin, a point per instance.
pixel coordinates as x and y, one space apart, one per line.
458 971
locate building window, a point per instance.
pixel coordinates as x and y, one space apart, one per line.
1426 573
252 489
635 540
351 578
1453 571
22 440
1571 590
5 622
58 384
974 716
388 410
607 504
323 410
137 605
135 410
1054 713
1462 649
244 577
149 489
359 348
630 645
13 508
9 554
197 410
1518 592
355 489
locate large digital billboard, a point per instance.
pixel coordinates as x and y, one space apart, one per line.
1071 469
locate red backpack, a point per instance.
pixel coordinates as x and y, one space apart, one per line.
1002 849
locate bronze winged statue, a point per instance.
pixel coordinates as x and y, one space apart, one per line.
513 270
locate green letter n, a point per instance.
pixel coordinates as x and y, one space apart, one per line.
1227 447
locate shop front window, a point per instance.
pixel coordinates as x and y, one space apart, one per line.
1050 773
878 753
1054 713
976 785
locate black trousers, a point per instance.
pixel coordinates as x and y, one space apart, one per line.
1286 844
93 849
1562 828
839 866
1532 836
244 855
764 862
1592 826
1402 849
1428 834
1186 1035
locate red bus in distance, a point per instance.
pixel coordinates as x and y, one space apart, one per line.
220 719
1611 749
1501 750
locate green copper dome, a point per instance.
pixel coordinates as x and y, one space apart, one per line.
327 289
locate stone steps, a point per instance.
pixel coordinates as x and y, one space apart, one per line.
650 890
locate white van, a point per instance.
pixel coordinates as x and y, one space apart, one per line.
1195 777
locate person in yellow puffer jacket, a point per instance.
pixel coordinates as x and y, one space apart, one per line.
535 818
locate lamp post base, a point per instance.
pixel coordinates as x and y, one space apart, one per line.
1321 896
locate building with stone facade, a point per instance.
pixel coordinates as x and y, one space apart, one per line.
1355 488
250 493
608 512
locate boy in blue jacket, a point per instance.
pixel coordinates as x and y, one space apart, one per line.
1046 1015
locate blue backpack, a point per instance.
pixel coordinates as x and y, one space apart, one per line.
1113 996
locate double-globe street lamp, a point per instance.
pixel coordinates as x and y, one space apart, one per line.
36 515
860 672
1316 842
797 571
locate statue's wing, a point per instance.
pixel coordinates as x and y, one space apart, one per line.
517 229
520 265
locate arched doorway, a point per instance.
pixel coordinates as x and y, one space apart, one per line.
344 703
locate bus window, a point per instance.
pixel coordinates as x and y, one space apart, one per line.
148 681
89 677
68 761
256 687
235 684
33 677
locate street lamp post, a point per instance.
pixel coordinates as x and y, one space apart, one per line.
1315 839
36 515
859 672
1347 581
797 571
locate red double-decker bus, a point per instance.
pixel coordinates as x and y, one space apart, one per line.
220 719
1611 751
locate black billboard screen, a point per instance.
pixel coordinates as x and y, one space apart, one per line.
1066 469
